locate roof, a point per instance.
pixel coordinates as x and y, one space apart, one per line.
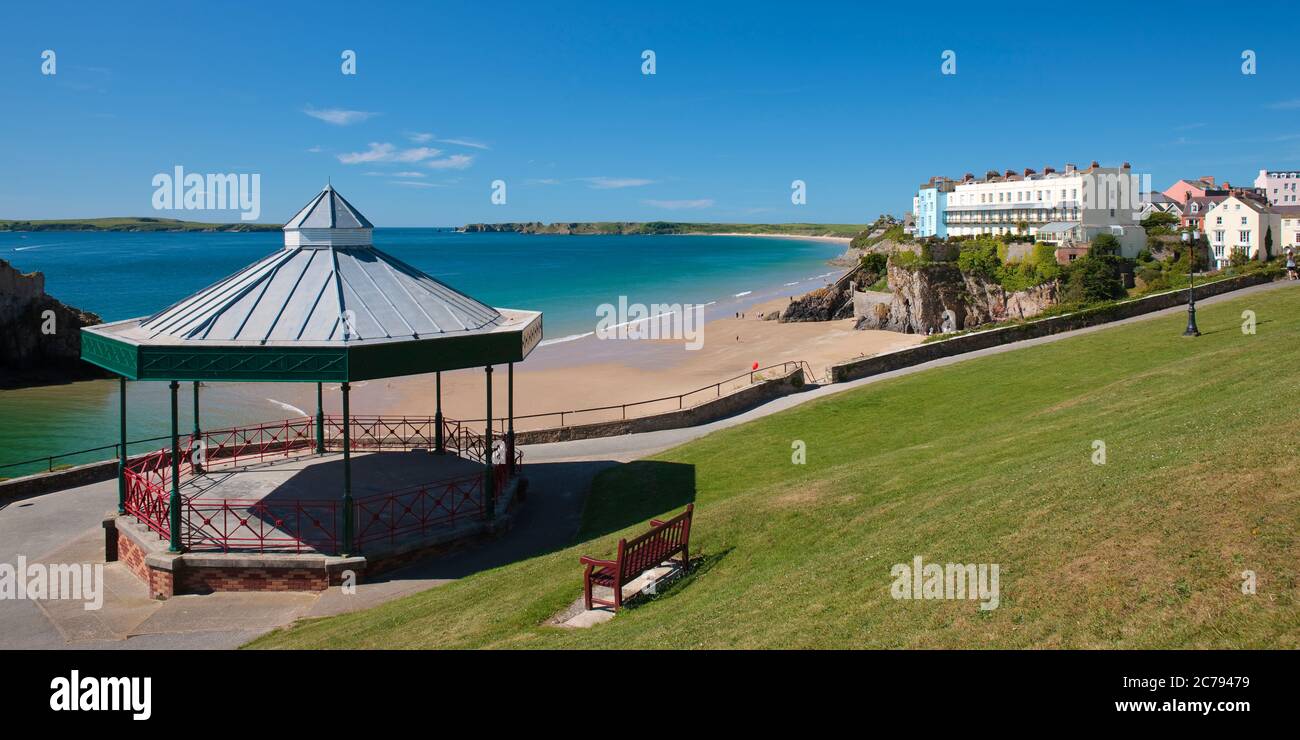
1057 227
328 210
321 296
327 307
1288 211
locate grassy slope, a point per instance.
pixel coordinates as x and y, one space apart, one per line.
128 223
985 461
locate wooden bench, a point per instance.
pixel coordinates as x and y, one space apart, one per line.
638 555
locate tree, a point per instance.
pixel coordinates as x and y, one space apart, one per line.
1268 244
1158 219
1104 244
1095 277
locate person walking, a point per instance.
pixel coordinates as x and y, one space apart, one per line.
1290 264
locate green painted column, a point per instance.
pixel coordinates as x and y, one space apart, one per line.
510 418
121 445
489 487
320 419
439 443
348 514
198 433
174 507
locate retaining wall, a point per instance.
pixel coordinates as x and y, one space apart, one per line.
922 353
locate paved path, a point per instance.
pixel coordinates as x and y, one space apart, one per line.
65 527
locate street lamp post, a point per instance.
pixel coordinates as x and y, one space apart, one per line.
1190 238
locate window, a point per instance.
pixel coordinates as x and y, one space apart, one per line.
1243 221
1218 237
1218 220
1245 237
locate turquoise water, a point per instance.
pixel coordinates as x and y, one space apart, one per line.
124 275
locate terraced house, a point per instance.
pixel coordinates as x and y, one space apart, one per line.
1281 187
1063 208
1242 223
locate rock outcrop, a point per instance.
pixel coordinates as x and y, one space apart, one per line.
40 337
835 301
938 297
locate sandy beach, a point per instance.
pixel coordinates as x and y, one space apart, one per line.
592 372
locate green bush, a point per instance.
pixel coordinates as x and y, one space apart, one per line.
979 257
874 262
1093 278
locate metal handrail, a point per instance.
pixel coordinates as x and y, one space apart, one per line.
680 398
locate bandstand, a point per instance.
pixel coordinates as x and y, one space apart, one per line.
288 504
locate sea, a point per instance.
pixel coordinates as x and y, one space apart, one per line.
120 275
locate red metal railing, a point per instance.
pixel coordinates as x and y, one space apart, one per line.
264 526
418 509
299 525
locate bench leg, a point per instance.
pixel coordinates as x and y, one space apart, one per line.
586 588
618 595
686 559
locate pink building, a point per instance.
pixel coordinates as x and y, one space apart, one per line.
1198 188
1281 187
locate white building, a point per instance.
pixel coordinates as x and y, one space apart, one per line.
1240 223
1065 208
1281 187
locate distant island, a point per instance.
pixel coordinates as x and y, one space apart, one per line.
667 227
128 223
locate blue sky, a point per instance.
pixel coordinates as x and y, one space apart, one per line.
549 97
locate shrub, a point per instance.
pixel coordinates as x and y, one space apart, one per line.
874 262
979 257
1104 244
1095 277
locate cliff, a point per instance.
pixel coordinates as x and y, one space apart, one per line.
937 297
835 301
37 348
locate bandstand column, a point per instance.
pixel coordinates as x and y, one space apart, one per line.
320 419
489 482
439 444
347 474
510 418
121 445
174 506
197 429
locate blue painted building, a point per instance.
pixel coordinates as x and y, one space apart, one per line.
929 204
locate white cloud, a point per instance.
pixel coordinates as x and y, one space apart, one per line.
543 181
395 174
420 138
314 150
385 152
680 204
338 116
415 184
464 142
610 183
1291 104
454 162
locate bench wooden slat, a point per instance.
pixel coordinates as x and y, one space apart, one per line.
640 554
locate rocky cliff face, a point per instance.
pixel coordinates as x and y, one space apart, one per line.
38 347
938 298
835 301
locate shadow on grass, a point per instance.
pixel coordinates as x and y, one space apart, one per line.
568 503
626 495
677 580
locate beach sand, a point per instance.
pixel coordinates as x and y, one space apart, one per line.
591 372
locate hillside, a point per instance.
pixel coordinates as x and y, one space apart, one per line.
986 461
667 227
129 223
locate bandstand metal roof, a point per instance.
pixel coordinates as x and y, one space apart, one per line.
327 307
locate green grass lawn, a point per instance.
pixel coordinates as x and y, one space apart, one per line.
987 461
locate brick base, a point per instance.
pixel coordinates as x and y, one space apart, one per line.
206 579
